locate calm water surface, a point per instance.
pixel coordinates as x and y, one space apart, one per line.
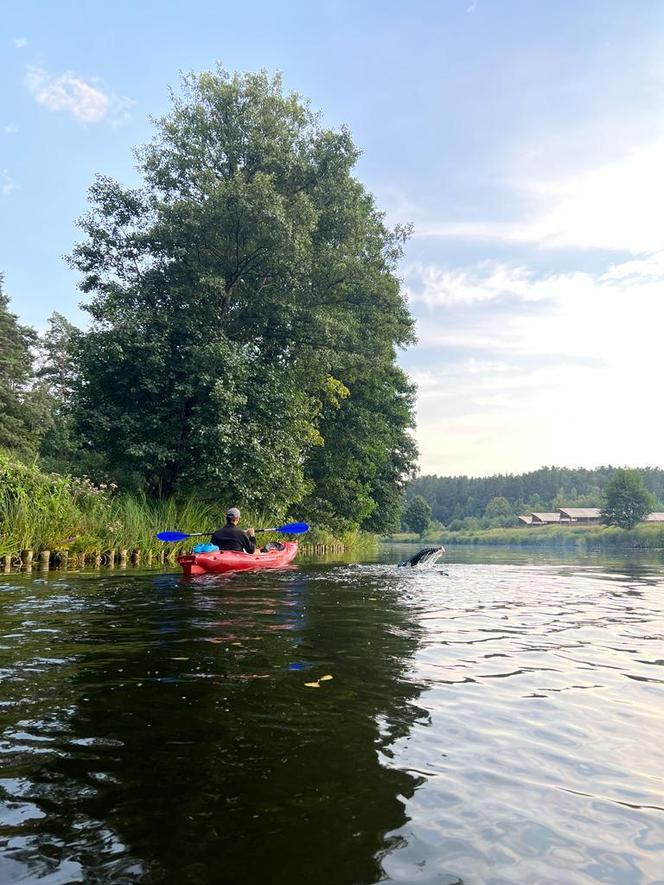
496 719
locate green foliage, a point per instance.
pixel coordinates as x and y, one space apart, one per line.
358 475
20 411
46 511
40 511
628 501
418 515
56 379
245 314
498 507
458 497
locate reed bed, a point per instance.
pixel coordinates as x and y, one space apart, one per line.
74 517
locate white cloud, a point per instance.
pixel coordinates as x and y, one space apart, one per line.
10 129
7 183
437 287
69 92
562 375
20 42
618 205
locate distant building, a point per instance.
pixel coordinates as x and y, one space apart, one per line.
580 514
544 518
576 516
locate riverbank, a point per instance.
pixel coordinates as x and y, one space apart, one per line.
644 537
52 519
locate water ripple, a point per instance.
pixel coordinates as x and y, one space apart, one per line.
485 723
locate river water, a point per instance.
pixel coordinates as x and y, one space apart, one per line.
497 718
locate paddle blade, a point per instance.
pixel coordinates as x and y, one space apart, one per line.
172 536
293 528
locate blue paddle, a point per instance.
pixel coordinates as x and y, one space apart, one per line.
291 528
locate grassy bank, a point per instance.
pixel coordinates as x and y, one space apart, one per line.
40 511
644 536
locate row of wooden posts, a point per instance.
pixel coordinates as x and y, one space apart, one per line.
45 559
321 549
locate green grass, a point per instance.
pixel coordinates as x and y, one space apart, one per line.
42 511
644 536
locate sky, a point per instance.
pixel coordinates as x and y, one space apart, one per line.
524 141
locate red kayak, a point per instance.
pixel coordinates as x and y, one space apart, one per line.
232 561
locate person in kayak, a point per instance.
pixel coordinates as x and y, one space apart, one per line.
233 538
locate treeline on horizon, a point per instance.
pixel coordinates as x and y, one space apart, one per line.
462 502
245 315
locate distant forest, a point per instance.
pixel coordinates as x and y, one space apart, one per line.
466 501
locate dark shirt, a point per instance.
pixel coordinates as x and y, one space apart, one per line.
233 538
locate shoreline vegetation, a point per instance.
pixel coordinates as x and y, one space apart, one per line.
644 537
605 507
78 522
245 314
472 503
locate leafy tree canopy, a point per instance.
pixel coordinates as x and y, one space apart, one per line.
21 412
246 312
56 379
498 506
628 501
461 497
418 515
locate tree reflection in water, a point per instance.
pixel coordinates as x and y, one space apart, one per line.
188 747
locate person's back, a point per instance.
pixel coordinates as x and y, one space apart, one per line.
230 537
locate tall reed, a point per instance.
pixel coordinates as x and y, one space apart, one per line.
46 511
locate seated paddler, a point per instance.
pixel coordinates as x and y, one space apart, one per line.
233 538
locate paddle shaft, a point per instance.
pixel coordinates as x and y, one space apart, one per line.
202 534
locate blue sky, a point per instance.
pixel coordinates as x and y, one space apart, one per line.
524 140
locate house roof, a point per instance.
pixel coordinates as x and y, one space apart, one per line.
526 519
581 512
546 517
655 517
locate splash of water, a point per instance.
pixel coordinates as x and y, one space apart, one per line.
426 557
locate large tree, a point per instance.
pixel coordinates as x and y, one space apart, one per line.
418 515
627 500
56 384
244 302
20 412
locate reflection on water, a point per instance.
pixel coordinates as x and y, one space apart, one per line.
162 730
486 722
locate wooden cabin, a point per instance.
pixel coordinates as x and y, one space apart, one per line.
587 515
545 518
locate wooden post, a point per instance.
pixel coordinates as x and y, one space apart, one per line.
97 560
111 558
63 557
136 557
123 559
7 562
26 559
44 559
149 558
162 556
